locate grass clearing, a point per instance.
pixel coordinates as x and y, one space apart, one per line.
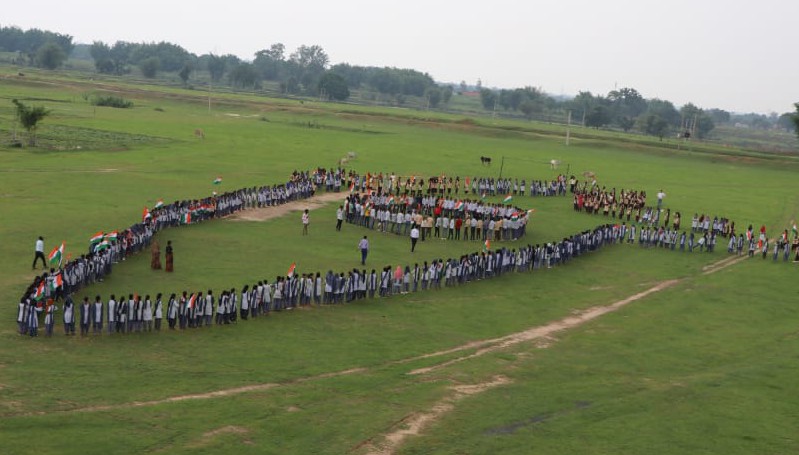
705 366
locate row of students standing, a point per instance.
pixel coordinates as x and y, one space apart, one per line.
135 314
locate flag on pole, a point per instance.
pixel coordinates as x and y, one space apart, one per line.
515 216
531 211
111 236
458 205
57 254
96 238
159 204
145 214
291 269
794 230
483 195
487 245
217 180
102 245
186 218
390 200
507 199
192 300
352 186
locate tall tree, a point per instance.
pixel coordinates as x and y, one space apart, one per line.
29 118
795 118
488 99
270 62
433 95
334 86
50 56
598 117
216 67
149 67
244 76
185 72
307 65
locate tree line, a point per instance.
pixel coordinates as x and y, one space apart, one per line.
307 71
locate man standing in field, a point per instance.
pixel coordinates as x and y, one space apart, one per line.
39 253
414 237
363 245
339 217
306 218
661 195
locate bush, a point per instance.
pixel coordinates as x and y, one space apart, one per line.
112 101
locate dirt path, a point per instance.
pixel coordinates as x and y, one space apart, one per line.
415 423
268 213
541 334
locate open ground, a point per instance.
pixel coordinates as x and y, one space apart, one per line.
629 350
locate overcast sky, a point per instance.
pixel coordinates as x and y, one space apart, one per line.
732 54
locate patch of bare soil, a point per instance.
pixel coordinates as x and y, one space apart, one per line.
276 211
723 264
415 423
209 436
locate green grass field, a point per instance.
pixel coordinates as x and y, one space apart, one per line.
706 365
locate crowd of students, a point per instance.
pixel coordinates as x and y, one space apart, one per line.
435 216
106 249
133 313
654 226
393 184
376 201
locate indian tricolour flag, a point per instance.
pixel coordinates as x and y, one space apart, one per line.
96 238
507 199
192 300
487 245
794 230
38 293
102 245
186 218
111 236
459 205
57 254
483 195
159 204
58 281
390 200
514 216
291 269
217 180
145 214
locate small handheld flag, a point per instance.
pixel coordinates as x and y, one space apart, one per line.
507 199
96 238
291 269
159 204
39 292
487 245
186 218
217 180
57 255
145 214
